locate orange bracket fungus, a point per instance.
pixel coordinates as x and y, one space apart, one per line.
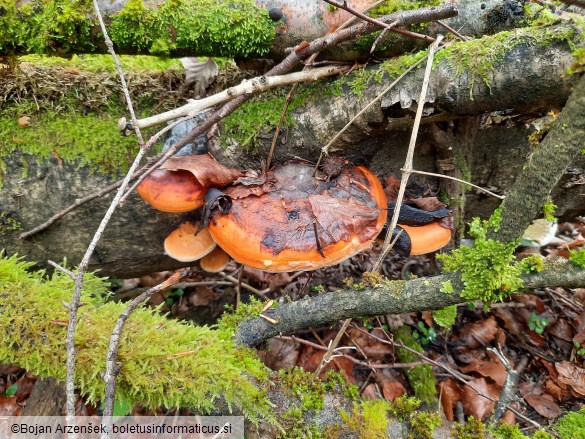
290 220
181 183
215 261
186 245
423 232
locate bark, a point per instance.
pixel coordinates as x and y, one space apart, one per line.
394 297
526 79
545 167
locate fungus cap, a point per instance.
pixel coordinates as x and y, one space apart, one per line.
428 238
215 261
172 191
296 222
183 245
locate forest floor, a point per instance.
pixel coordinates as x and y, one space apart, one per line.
542 329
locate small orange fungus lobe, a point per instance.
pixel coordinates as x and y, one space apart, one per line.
428 238
172 191
295 222
215 261
183 245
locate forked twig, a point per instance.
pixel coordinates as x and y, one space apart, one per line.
407 169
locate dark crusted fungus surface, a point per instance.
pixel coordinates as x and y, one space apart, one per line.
293 205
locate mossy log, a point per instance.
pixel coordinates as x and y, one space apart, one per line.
242 28
38 185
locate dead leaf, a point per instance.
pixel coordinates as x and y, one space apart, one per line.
544 405
553 389
479 334
370 392
203 296
572 375
532 302
369 345
476 405
579 328
205 168
427 203
281 354
561 329
24 121
391 188
9 406
488 368
310 359
450 394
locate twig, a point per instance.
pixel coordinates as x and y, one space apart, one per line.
279 125
244 285
359 14
332 346
352 359
62 269
407 170
70 340
239 287
113 369
248 87
508 393
453 31
432 174
325 149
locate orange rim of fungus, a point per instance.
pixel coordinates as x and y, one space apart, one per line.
172 191
215 261
259 232
427 238
183 245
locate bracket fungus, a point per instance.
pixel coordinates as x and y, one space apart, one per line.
181 183
186 245
290 220
215 261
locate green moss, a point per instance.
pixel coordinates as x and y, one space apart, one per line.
360 80
507 431
7 223
548 210
488 269
83 140
479 58
579 65
421 378
305 386
578 257
46 26
336 381
532 264
235 28
260 115
423 425
99 63
445 317
472 429
572 425
164 362
368 419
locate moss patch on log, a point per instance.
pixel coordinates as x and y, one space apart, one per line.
164 362
234 28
